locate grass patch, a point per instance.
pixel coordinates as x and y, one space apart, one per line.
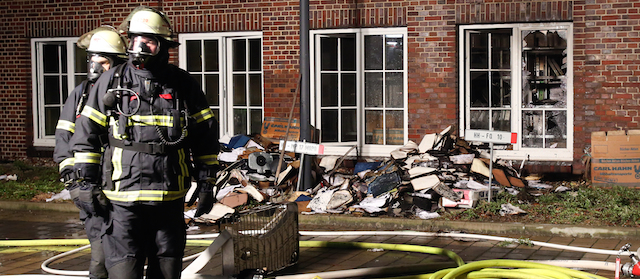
32 180
586 205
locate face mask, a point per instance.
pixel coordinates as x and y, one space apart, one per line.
95 68
142 49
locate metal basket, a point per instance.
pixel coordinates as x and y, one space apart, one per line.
264 238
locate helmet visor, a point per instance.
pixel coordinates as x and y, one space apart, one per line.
145 45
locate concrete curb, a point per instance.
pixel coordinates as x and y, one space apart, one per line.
348 222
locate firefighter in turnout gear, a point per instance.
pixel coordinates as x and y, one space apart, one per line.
105 49
158 133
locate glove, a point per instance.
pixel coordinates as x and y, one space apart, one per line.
206 198
91 199
68 178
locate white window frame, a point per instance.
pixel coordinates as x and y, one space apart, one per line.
225 118
37 78
364 149
519 152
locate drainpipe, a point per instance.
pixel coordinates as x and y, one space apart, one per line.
305 111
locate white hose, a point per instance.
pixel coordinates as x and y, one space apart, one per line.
465 235
581 264
65 272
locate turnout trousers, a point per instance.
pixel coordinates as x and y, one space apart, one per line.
93 226
139 232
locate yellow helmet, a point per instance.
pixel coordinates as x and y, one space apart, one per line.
104 39
147 21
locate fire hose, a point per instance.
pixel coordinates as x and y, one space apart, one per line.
475 269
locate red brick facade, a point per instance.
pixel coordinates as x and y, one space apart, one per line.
606 51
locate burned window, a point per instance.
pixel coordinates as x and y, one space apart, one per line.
544 88
518 78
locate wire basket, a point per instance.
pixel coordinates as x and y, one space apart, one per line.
264 238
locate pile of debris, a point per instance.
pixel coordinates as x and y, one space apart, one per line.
415 180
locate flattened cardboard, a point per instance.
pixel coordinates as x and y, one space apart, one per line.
615 158
276 128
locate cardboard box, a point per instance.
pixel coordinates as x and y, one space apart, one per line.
615 158
276 128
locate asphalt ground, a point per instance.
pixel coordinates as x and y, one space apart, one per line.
28 221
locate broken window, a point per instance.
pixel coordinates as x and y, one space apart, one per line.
518 78
544 93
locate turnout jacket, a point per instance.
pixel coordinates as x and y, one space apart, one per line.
66 126
154 140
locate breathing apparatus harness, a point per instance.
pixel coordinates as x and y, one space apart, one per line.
113 100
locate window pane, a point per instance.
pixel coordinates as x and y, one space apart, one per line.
373 90
240 121
198 78
239 51
348 53
63 58
256 121
52 90
478 46
501 120
500 89
211 56
501 50
394 52
255 55
373 127
532 128
51 58
329 49
255 90
394 90
79 79
373 47
239 90
329 124
349 124
479 90
80 62
65 88
544 68
479 119
394 124
212 89
52 114
216 113
556 129
329 95
194 56
348 89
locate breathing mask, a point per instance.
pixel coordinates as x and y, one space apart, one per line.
97 64
143 49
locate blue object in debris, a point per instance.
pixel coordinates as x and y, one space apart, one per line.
363 166
303 198
384 183
238 141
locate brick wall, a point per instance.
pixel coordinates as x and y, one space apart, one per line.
606 38
606 61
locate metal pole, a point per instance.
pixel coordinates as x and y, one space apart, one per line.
305 103
490 170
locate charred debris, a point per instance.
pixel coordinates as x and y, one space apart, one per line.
415 180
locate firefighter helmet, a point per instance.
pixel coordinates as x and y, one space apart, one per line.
145 20
103 40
